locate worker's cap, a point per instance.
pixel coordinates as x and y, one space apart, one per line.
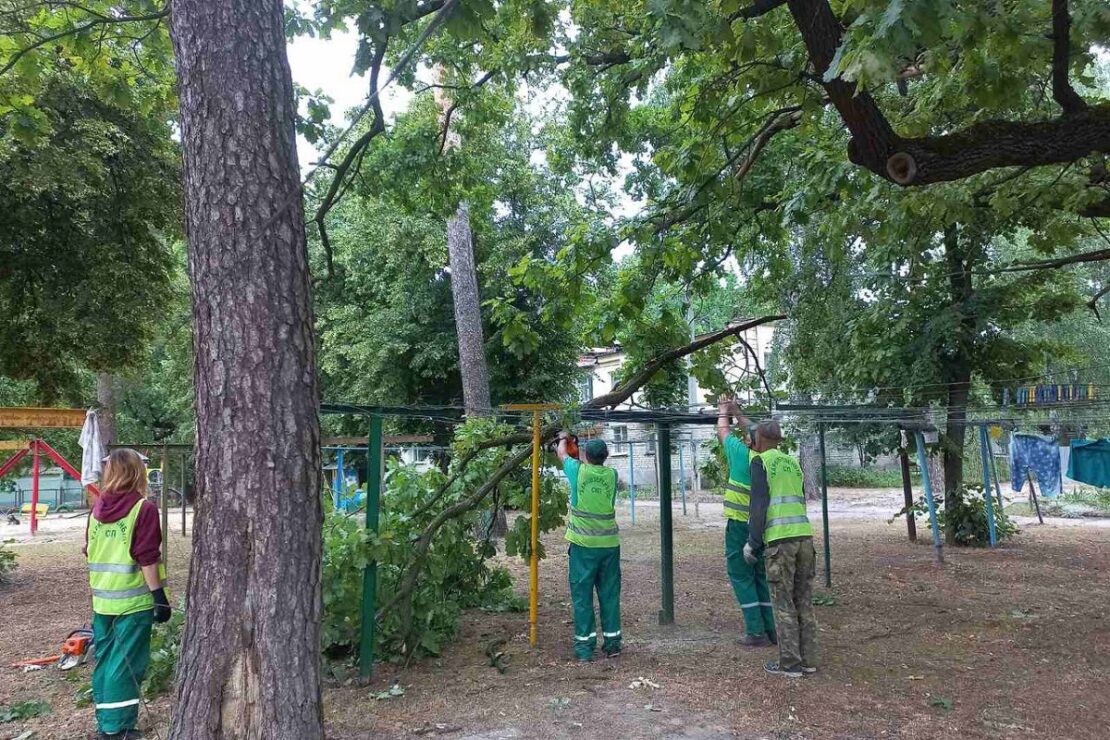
596 448
769 430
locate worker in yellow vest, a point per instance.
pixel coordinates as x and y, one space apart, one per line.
595 552
749 580
780 528
123 546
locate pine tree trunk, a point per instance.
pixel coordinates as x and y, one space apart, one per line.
468 315
250 661
106 415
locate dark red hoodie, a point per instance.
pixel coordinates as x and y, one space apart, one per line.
146 541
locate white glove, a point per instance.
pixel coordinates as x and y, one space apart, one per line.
749 554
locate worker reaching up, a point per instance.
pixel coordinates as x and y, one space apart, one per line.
595 552
749 580
781 530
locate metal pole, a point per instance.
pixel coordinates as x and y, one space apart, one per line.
825 507
632 481
666 532
987 497
682 477
997 480
923 463
907 491
1033 494
338 481
165 504
35 488
534 565
184 483
370 573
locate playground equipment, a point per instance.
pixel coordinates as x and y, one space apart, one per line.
30 418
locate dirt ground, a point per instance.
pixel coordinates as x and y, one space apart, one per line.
996 644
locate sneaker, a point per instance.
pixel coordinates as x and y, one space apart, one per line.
809 670
755 641
774 668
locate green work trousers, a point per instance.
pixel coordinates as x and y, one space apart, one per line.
749 582
122 655
595 568
791 566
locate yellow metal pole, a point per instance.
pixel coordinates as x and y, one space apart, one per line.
534 584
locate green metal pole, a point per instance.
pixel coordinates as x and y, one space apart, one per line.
370 574
825 507
666 531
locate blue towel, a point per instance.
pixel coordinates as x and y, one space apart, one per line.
1039 454
1090 462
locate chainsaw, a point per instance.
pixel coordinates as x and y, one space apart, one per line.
77 649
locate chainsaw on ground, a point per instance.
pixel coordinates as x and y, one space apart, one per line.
77 648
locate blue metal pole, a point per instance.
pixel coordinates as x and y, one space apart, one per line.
632 481
923 463
682 477
987 495
338 476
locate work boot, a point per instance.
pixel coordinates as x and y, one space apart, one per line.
613 652
775 669
755 641
774 638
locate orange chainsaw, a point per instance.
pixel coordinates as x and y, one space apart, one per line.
76 649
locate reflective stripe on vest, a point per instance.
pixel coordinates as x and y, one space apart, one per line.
117 582
738 501
592 521
786 510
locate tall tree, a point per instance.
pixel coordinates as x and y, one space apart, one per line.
250 662
464 279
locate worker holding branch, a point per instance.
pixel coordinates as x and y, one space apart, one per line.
780 530
595 553
124 549
748 579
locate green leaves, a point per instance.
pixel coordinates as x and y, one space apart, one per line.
23 710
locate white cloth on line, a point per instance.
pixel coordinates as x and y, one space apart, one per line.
92 454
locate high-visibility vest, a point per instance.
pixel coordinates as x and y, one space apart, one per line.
118 585
786 511
593 521
738 500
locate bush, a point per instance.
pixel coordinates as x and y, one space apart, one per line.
846 476
970 514
456 575
165 649
7 563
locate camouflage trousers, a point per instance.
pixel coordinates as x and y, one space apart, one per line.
791 566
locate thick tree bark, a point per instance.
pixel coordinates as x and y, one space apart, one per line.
468 315
250 661
956 371
106 415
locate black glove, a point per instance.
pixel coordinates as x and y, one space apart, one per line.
161 605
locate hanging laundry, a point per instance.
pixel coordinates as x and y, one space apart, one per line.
1039 454
1090 462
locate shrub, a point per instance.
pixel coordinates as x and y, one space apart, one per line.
165 649
7 563
851 477
970 514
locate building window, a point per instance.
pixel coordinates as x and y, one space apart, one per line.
620 434
586 387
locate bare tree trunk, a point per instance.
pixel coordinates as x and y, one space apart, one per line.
106 415
956 371
250 661
468 315
809 457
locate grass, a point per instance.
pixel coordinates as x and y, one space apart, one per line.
843 476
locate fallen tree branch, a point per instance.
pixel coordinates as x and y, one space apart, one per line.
622 393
